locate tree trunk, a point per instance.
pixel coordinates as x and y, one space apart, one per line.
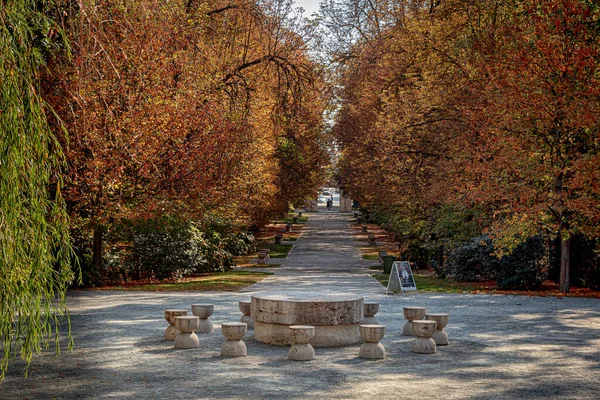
97 248
565 249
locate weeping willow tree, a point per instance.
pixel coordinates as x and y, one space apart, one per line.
35 249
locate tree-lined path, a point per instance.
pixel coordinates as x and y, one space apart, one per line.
324 258
501 346
147 141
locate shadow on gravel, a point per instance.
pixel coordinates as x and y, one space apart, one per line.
501 347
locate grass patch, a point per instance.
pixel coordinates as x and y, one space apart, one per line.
230 281
279 250
263 242
427 283
289 219
243 260
377 267
370 253
382 278
260 266
291 237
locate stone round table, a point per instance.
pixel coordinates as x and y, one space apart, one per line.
336 317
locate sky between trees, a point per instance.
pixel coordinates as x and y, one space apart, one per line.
310 6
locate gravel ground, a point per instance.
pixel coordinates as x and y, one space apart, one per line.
501 347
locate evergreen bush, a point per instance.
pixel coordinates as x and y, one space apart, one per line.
473 261
177 250
523 268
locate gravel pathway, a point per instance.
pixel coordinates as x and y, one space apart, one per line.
502 347
325 258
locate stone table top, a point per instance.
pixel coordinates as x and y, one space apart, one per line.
307 308
312 297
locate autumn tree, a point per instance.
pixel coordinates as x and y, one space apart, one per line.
399 116
269 72
540 75
473 104
184 110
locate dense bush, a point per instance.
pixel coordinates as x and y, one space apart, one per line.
473 261
423 239
177 250
162 249
524 267
240 244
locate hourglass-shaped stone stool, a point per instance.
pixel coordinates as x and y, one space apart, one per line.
424 344
203 311
186 325
370 309
234 346
267 252
262 258
439 336
372 335
412 314
300 337
246 309
171 332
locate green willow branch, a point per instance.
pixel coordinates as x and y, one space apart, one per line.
35 250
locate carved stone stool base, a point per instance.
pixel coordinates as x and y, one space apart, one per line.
186 341
301 352
424 346
440 337
234 348
408 329
203 312
205 326
372 351
171 333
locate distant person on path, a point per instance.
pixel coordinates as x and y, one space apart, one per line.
329 204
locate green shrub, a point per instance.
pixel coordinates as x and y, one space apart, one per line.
473 261
522 269
240 244
176 250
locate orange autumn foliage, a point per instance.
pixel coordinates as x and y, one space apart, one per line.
475 104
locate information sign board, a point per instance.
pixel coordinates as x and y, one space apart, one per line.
401 278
